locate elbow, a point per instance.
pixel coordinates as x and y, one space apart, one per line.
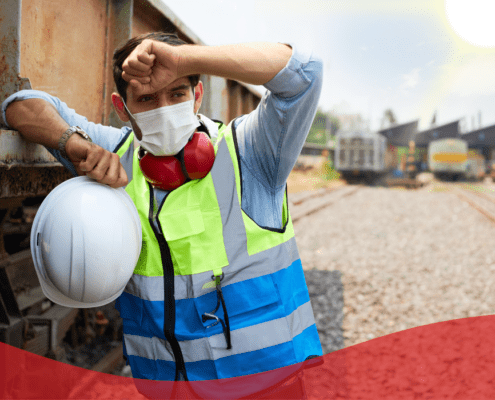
21 114
314 71
13 115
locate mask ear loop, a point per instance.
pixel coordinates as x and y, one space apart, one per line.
134 124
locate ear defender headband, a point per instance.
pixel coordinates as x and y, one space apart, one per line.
194 161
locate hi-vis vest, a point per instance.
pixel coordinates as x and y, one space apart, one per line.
202 257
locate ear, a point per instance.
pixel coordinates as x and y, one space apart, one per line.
198 96
118 104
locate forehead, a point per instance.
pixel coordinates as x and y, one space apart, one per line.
178 83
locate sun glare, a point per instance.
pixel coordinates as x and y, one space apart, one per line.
472 20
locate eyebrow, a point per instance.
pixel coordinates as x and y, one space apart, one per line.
174 89
180 87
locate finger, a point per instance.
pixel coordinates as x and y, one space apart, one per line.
139 88
112 174
146 58
141 79
136 67
96 163
122 178
79 171
90 159
100 170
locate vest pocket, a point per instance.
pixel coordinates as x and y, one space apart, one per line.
193 248
181 225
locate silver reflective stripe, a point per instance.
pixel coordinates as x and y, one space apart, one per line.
242 266
190 286
244 340
234 232
126 161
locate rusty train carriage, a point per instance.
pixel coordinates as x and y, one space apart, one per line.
65 47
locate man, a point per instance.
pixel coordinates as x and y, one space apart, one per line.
218 291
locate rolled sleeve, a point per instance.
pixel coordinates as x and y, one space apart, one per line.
292 80
104 136
25 95
272 136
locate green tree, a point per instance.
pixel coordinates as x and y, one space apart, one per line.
389 118
324 125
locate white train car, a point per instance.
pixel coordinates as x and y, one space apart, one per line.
360 155
448 158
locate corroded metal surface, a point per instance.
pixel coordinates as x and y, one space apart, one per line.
119 22
235 100
30 180
9 47
63 50
14 149
27 169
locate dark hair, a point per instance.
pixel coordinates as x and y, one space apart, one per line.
123 52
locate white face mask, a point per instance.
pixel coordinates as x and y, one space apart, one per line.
166 130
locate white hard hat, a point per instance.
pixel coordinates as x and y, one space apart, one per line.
85 242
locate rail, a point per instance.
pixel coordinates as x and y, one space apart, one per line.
306 204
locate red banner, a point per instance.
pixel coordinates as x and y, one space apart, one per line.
453 359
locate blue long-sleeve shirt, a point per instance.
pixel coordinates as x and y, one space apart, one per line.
270 138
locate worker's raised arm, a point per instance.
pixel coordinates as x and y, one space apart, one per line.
38 121
153 65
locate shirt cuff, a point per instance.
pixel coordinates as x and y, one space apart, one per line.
291 80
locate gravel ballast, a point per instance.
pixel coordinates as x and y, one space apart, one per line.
406 257
327 298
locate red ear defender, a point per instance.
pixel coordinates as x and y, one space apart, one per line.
170 172
198 156
164 172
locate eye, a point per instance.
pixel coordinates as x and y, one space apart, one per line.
178 94
144 98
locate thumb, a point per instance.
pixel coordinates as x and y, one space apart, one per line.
146 58
145 52
80 170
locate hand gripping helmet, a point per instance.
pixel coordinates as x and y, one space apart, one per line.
85 243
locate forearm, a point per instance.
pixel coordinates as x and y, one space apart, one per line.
254 63
37 121
274 134
40 122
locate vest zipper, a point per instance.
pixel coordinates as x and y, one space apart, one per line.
169 292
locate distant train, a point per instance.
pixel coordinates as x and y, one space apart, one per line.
360 155
447 158
450 159
365 156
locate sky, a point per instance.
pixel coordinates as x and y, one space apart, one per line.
416 57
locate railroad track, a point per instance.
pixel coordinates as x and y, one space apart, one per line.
304 204
477 197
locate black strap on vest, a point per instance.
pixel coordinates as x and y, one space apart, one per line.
180 157
169 297
211 315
